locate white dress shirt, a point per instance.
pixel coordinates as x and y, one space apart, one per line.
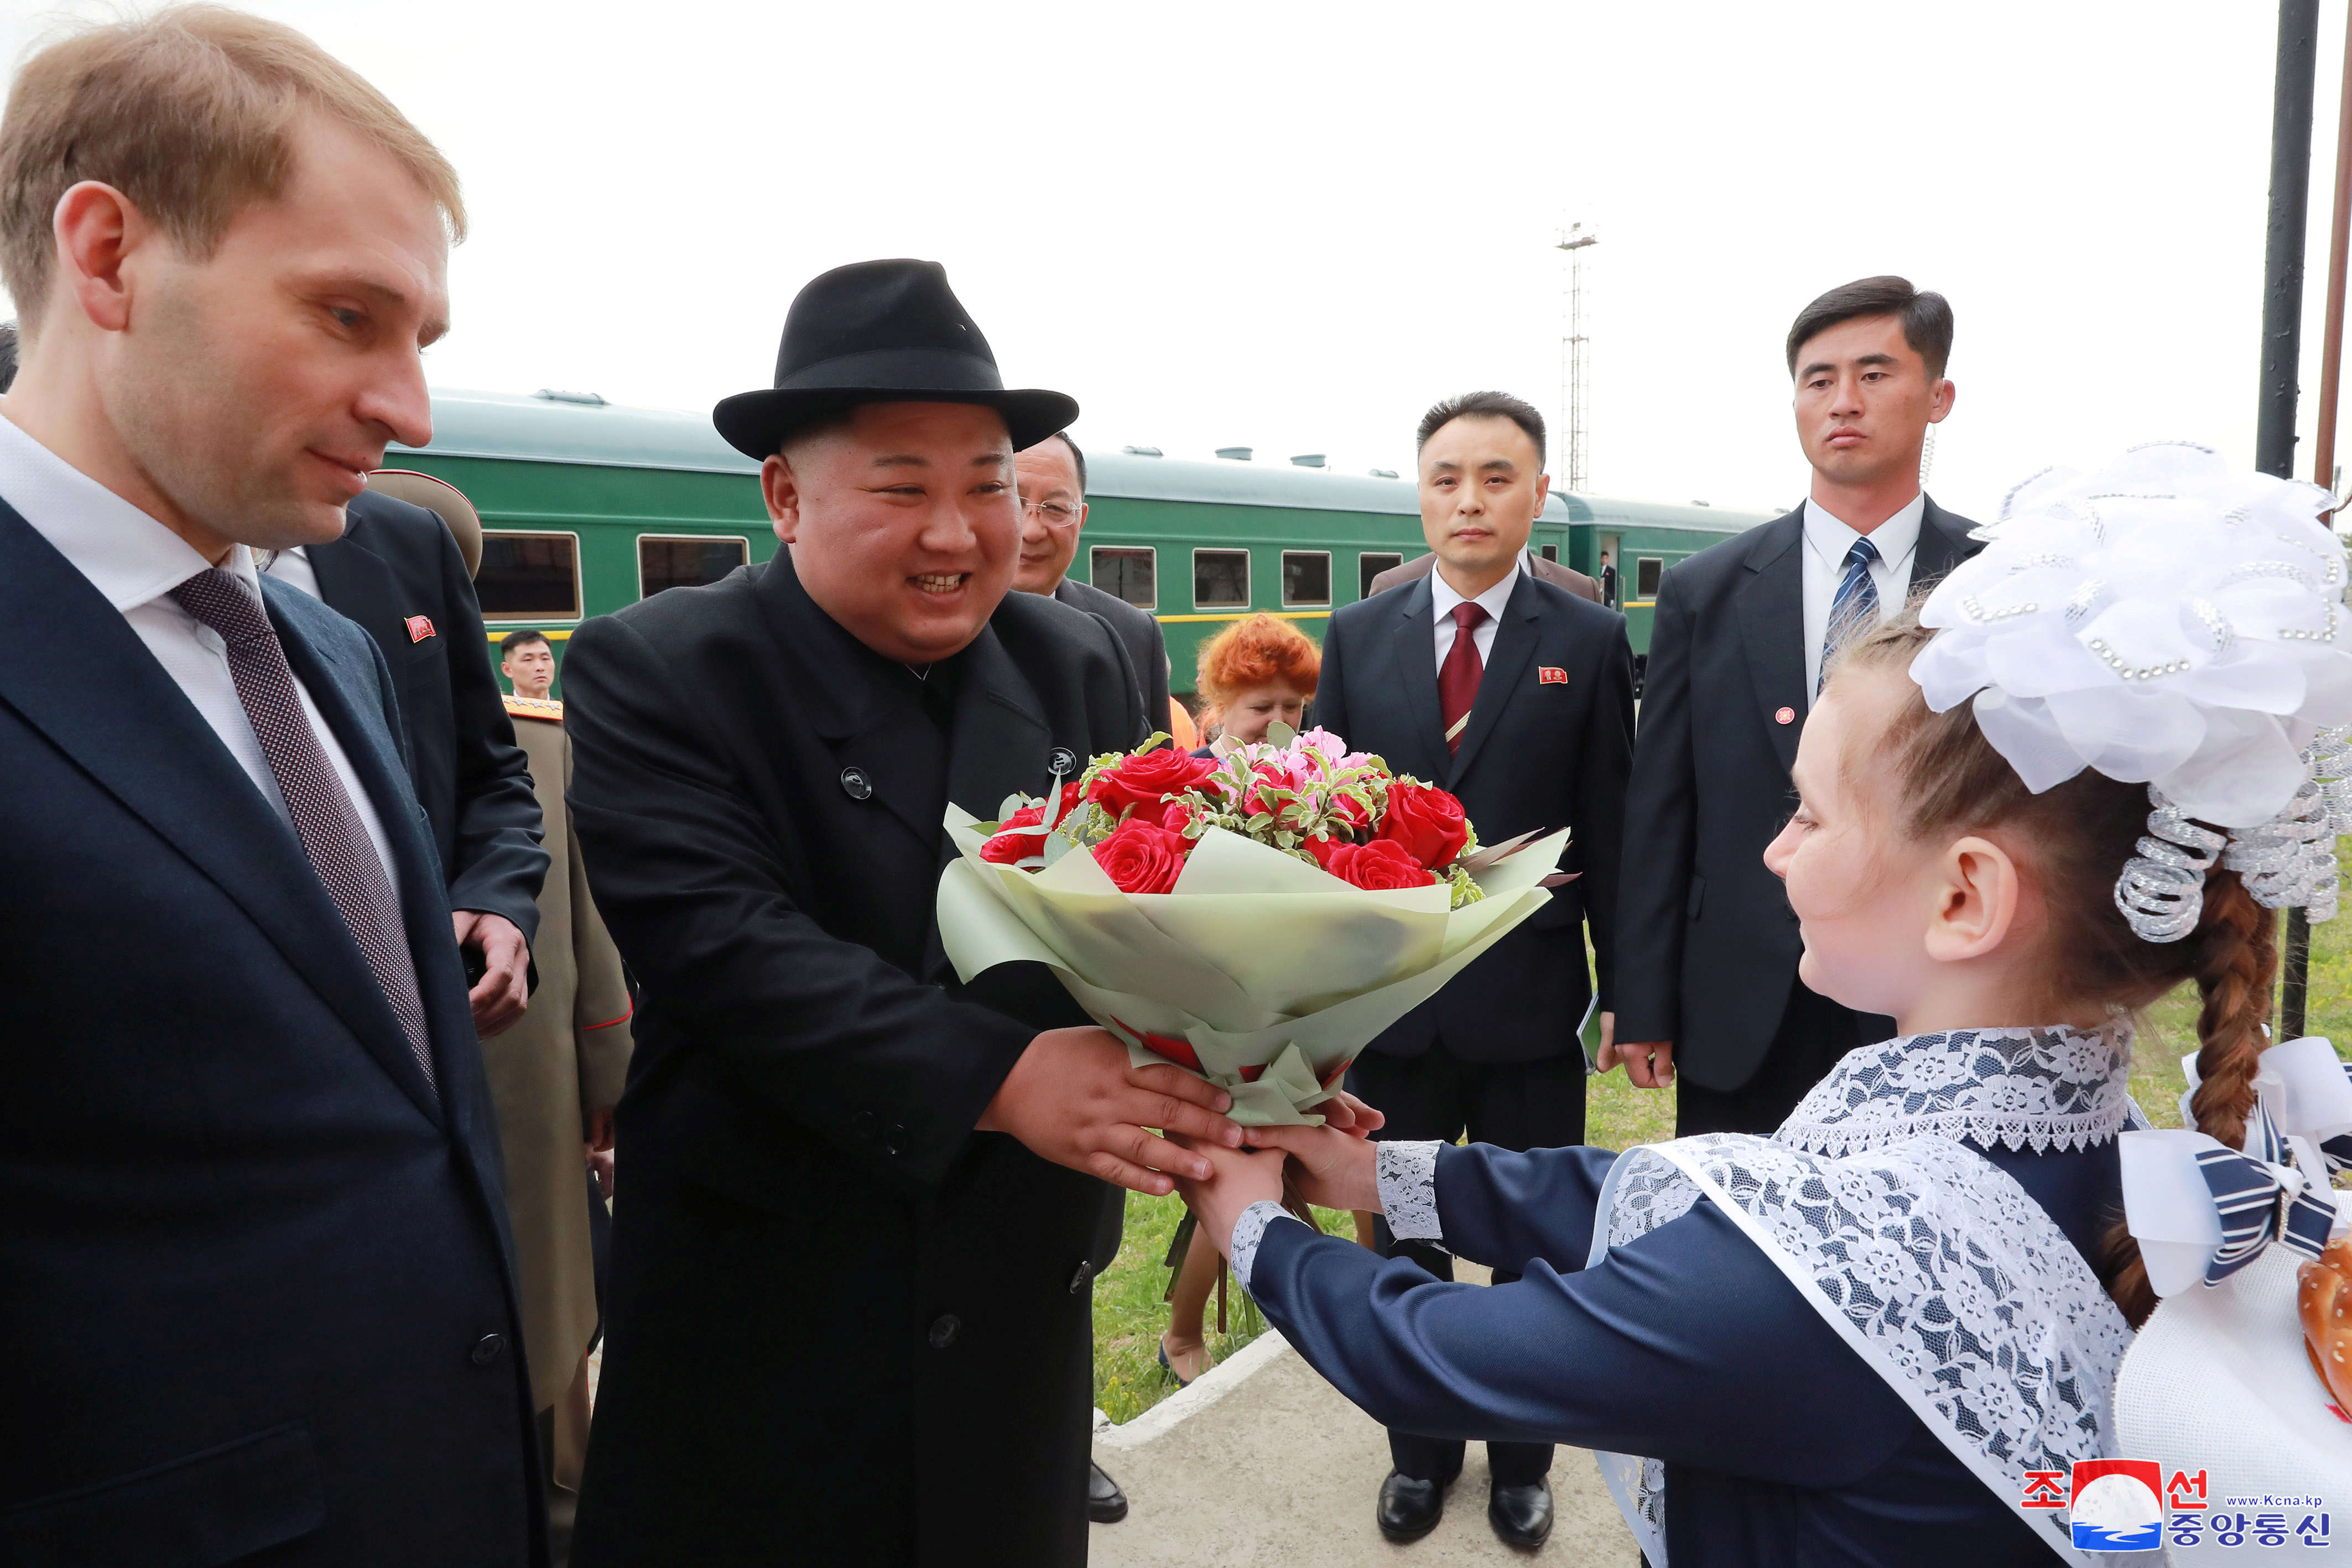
293 568
1444 599
136 561
1827 540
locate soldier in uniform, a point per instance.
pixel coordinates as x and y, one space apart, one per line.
555 1079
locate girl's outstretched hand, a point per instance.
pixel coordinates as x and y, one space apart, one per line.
1331 1167
1242 1176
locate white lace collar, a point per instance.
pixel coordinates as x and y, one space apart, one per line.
2041 1088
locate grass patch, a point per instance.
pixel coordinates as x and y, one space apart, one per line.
1129 1315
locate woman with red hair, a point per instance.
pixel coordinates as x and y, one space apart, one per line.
1257 672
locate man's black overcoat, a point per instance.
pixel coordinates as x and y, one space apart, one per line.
843 1327
1549 744
394 563
1707 944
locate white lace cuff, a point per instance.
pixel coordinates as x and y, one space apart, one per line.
1250 1229
1408 1178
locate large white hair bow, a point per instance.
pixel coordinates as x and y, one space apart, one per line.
2166 619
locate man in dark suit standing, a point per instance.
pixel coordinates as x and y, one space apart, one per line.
1551 572
398 572
255 1295
1708 955
849 1314
1053 481
1518 696
1053 476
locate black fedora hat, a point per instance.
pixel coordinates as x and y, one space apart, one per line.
881 331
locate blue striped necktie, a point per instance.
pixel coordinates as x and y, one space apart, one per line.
1855 608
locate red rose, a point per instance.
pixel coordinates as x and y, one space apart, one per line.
1177 817
1142 858
1427 824
1379 866
1351 812
1148 779
1012 849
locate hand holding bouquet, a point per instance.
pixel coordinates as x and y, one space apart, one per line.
1256 919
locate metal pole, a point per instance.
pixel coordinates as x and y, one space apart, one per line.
2298 65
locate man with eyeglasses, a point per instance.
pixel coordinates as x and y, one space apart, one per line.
1052 478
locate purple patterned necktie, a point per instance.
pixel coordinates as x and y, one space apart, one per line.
324 817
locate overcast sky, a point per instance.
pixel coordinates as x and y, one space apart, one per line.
1292 227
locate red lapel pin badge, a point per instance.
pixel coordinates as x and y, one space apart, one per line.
1786 716
420 627
1550 675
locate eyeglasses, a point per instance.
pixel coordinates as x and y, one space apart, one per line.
1054 513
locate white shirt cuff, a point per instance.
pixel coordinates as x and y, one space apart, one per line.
1408 1181
1250 1229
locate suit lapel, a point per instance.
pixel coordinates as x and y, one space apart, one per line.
1772 628
1515 644
1943 545
344 584
1414 649
340 691
1002 741
74 669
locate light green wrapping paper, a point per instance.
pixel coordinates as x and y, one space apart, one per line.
1256 960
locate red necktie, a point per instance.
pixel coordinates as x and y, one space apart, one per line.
1457 678
324 819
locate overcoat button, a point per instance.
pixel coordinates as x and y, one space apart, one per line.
864 1123
1078 1281
855 782
944 1330
487 1349
1063 762
894 1141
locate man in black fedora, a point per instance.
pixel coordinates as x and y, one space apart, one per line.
854 1231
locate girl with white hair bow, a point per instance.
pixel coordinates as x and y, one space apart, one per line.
2082 773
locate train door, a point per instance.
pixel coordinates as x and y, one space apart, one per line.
1548 541
1606 570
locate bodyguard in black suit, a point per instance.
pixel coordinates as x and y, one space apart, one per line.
255 1295
857 1203
1533 733
398 571
1708 946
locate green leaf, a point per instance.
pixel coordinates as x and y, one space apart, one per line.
1280 734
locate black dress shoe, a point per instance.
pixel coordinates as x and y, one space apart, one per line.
1521 1515
1408 1508
1106 1504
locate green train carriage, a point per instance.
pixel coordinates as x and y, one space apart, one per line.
587 506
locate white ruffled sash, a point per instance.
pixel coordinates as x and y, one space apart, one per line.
1899 1249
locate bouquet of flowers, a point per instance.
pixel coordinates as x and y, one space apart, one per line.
1256 919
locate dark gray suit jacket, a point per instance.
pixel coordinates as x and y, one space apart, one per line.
1138 636
1707 944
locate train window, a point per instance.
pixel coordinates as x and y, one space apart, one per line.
1647 570
680 561
1129 574
1220 580
1369 565
1551 552
1306 579
529 577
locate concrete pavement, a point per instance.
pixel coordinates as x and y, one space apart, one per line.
1262 1462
